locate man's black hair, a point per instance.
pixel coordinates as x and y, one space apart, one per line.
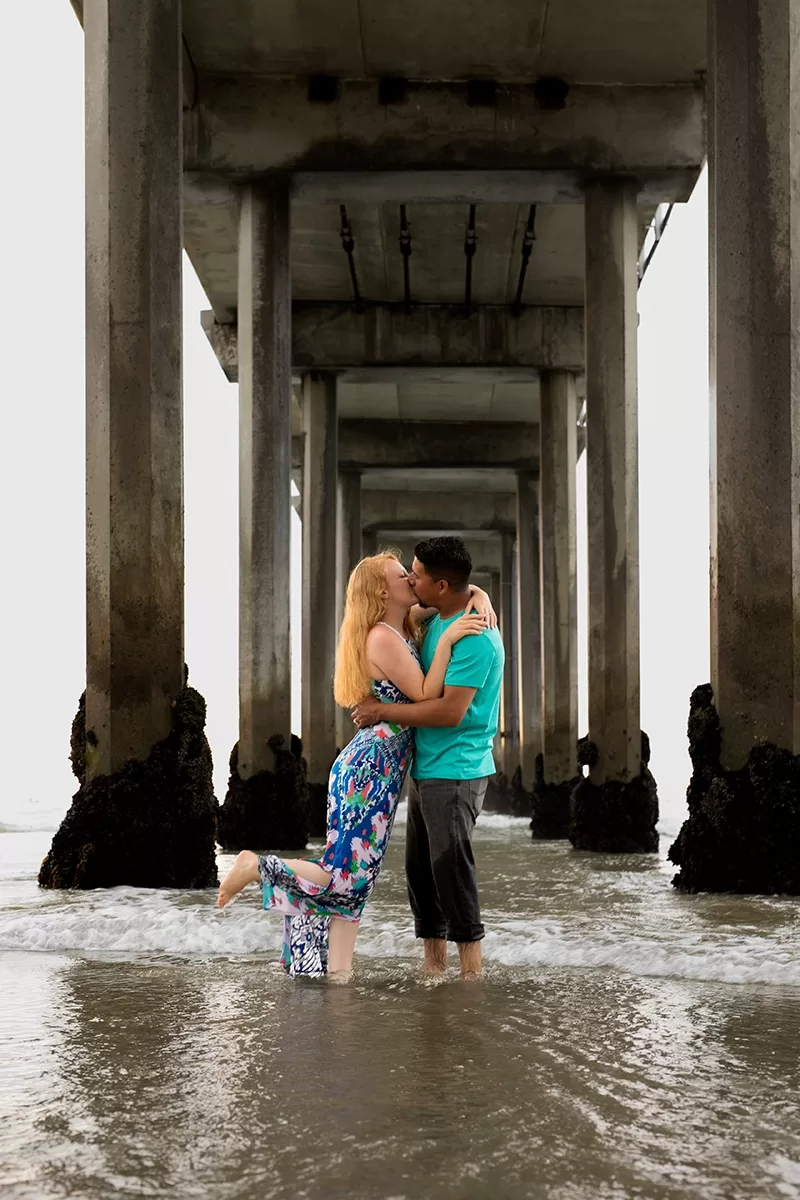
445 558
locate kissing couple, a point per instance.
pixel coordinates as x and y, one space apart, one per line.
420 663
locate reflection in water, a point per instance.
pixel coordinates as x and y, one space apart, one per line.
558 1075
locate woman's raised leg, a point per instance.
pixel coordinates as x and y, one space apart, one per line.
243 871
311 872
341 947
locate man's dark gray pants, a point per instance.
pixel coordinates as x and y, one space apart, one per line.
440 867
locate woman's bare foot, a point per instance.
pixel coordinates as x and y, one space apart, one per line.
243 871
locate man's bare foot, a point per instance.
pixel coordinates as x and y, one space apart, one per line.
469 954
435 960
243 871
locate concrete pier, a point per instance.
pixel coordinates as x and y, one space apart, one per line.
754 214
744 796
529 624
320 478
265 380
348 553
558 460
412 351
612 478
138 746
556 771
616 808
134 406
510 743
266 804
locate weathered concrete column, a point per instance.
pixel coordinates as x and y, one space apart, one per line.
265 473
529 624
348 553
266 803
558 520
135 697
613 526
558 533
743 829
320 474
510 746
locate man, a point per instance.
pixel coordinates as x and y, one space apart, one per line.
452 761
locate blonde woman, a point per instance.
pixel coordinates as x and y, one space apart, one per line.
322 900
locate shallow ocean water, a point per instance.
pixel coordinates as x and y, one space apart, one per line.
626 1041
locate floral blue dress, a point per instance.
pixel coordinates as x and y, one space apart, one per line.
363 792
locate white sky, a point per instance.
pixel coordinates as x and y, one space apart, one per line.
42 456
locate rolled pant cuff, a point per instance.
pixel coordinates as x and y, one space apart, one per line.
473 933
423 931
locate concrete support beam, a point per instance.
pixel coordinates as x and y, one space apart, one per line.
558 522
348 554
458 187
438 510
319 573
530 626
612 478
250 124
442 337
375 446
510 741
188 72
670 185
264 474
484 548
754 213
134 416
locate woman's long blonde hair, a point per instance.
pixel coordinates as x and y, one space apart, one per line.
364 607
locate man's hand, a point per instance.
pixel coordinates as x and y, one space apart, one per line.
367 712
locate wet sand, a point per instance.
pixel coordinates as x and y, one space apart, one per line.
625 1042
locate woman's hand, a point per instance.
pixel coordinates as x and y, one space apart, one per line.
463 626
481 604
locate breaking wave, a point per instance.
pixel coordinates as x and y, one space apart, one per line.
126 922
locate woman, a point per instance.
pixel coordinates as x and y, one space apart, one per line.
323 900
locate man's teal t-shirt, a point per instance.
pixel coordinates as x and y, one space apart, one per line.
465 751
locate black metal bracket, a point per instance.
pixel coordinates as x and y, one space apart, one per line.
527 250
349 245
405 250
470 248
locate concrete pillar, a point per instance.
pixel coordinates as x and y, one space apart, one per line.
134 419
369 542
265 461
349 519
494 589
557 466
494 596
510 749
319 574
348 553
612 477
754 258
529 623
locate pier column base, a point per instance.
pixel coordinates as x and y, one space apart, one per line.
149 824
267 810
320 474
743 828
616 816
507 795
551 805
